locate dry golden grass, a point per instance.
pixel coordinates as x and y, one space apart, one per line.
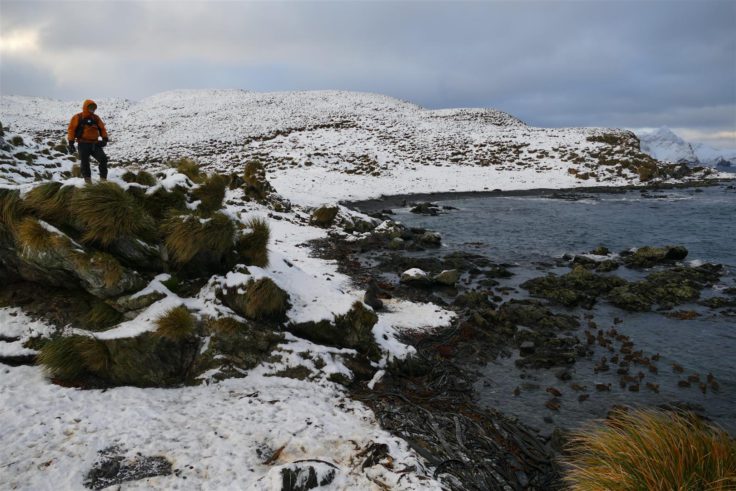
31 234
11 207
189 168
101 316
224 325
76 170
219 233
142 177
160 203
50 201
211 193
265 300
253 245
107 213
112 270
652 450
70 357
186 235
175 324
183 237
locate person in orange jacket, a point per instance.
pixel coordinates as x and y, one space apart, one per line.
88 130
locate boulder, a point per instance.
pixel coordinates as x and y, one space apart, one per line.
416 277
234 347
447 277
665 288
646 257
353 329
260 299
324 216
579 287
136 301
431 238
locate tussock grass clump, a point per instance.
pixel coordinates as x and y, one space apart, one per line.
211 193
182 236
253 245
265 300
101 316
160 203
219 232
256 185
189 168
145 178
31 234
16 141
225 325
76 170
142 177
186 235
12 207
107 213
652 450
50 201
175 324
71 357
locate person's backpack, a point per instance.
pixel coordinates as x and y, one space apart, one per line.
82 122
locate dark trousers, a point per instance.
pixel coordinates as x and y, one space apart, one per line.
87 150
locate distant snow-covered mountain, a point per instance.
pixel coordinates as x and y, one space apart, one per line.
664 144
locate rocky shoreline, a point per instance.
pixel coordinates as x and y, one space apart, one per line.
437 384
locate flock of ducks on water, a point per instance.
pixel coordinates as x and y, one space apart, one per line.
625 362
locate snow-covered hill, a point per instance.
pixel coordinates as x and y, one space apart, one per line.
664 144
329 145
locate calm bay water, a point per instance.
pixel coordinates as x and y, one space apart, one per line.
527 231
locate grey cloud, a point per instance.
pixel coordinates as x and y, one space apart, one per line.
558 63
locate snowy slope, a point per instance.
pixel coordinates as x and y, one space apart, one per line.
327 145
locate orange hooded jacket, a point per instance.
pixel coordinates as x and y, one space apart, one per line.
90 131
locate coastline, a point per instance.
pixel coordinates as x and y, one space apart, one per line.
399 200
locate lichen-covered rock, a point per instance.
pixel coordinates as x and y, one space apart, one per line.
389 230
138 254
234 347
60 261
260 299
532 314
665 288
646 257
578 287
353 329
324 216
396 243
136 301
431 238
416 277
447 277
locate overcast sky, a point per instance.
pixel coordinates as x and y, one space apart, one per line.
643 63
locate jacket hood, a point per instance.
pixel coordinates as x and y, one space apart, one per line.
87 103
